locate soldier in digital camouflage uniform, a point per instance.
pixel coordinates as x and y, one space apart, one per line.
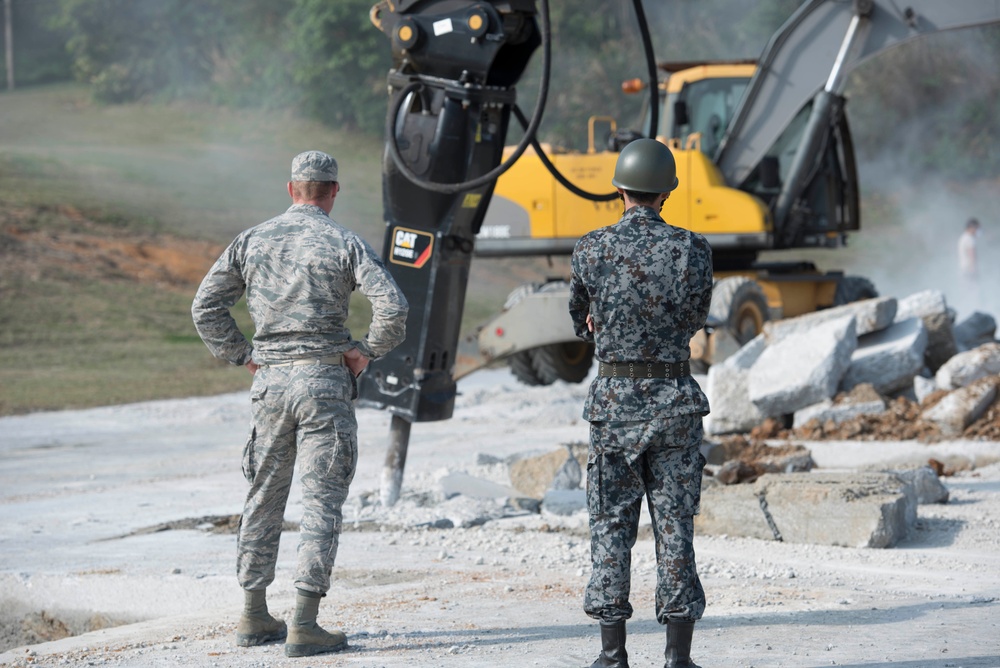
640 290
298 271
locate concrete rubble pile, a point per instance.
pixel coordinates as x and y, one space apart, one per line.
806 371
879 369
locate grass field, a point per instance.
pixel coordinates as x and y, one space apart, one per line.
93 198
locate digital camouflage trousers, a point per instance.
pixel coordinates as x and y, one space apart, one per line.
304 413
660 459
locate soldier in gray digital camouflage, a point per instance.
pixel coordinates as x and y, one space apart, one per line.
298 271
640 290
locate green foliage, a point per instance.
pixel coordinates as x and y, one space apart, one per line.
341 63
39 48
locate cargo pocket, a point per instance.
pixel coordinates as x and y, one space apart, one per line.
257 392
594 485
249 465
699 477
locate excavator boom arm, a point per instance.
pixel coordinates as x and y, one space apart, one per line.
815 50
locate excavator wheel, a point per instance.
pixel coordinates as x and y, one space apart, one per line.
740 305
569 361
522 366
853 289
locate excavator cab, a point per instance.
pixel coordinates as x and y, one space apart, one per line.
701 101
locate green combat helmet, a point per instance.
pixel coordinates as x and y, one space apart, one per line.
646 166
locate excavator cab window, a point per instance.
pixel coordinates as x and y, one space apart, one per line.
709 105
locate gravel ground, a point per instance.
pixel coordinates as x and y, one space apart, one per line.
116 550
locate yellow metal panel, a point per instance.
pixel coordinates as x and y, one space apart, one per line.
678 79
575 216
529 184
714 208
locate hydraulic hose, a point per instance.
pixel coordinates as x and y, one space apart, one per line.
531 127
492 175
654 112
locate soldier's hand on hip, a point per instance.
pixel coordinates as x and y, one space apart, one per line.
355 361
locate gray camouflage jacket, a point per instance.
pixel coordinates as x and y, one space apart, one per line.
298 271
648 287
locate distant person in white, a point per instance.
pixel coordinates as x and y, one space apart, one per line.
968 265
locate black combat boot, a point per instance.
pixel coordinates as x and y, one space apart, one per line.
678 652
613 654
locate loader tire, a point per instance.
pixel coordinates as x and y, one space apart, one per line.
522 366
569 362
740 305
853 289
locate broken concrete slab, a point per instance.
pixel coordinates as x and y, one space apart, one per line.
926 484
931 307
726 388
455 483
569 475
888 359
921 304
803 368
862 400
732 510
974 331
848 509
533 474
870 315
923 388
960 408
967 367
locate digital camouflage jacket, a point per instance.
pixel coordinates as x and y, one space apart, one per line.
648 287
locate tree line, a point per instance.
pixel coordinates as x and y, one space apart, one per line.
323 59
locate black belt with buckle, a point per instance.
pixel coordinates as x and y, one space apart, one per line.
644 369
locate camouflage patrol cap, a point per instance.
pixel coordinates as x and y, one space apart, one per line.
314 166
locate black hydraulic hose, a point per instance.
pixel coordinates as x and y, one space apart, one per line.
654 88
654 112
554 171
536 119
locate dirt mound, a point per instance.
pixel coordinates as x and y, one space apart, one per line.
79 247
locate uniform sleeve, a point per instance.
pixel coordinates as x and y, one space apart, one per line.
221 288
704 281
579 297
389 306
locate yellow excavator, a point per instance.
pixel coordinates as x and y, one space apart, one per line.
765 162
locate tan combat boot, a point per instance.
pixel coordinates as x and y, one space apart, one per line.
305 636
257 626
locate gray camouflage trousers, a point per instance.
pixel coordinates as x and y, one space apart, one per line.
662 459
303 412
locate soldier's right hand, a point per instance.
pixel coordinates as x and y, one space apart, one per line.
355 361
